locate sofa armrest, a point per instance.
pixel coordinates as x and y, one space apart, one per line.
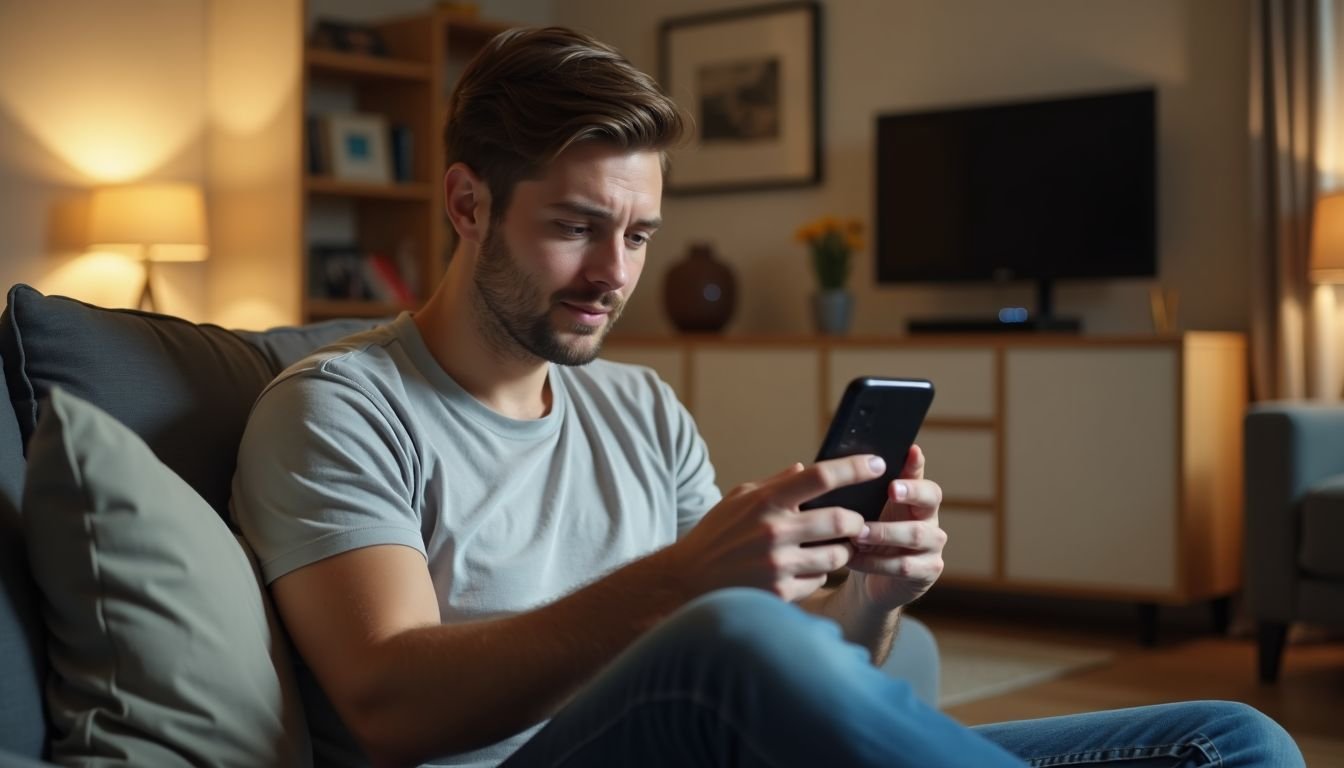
914 658
1290 447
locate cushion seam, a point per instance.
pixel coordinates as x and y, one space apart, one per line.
26 428
92 532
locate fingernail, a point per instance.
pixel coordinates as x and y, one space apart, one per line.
865 533
901 491
877 464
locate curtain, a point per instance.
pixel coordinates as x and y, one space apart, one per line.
1296 127
1283 113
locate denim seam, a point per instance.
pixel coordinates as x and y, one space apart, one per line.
1198 741
692 698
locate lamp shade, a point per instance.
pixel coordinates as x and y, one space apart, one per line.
1327 240
165 221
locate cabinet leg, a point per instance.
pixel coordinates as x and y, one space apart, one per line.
1272 635
1148 624
1220 608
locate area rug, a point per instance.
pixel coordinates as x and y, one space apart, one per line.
977 666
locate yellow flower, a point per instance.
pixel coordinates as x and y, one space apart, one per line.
854 242
854 227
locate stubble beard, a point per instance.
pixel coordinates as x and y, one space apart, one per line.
505 299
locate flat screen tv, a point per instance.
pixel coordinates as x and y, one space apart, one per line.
1039 190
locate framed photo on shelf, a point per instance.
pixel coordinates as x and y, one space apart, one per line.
356 147
749 79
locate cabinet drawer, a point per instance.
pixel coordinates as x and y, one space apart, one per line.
756 409
961 461
963 379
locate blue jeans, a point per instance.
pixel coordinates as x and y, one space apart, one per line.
739 678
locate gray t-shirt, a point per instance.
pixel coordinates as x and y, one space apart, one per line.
370 442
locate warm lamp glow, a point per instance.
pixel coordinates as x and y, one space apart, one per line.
1327 240
162 222
166 222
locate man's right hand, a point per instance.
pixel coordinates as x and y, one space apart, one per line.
756 536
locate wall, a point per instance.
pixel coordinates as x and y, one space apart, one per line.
254 149
891 55
96 93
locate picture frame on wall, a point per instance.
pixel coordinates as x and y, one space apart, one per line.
357 148
750 79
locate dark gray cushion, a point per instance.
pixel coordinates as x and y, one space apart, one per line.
1323 529
22 663
164 650
185 389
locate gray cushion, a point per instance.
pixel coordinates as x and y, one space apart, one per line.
163 647
186 389
22 666
1322 552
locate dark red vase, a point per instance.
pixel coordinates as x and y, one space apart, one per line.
700 291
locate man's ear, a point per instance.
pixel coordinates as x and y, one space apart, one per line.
467 202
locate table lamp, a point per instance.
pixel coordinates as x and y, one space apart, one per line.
1327 240
159 222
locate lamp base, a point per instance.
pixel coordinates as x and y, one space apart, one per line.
147 293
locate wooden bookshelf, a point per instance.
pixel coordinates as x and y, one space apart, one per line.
409 88
326 185
330 309
358 66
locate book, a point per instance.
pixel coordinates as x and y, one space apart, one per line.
403 153
385 280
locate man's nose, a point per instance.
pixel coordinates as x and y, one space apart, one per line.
607 266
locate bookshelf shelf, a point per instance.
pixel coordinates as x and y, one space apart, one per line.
357 66
328 309
327 186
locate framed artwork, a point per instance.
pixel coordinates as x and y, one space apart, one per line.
750 80
357 148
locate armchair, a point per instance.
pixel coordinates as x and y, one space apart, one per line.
1294 521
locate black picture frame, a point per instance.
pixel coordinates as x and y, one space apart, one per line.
751 80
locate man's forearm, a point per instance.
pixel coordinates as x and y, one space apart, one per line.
450 688
861 624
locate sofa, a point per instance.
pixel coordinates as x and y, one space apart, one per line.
133 624
1294 522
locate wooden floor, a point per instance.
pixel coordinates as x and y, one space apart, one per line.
1188 663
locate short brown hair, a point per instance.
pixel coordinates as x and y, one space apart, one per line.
532 92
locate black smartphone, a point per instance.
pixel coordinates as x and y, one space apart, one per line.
879 416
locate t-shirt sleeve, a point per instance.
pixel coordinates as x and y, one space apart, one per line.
323 469
696 489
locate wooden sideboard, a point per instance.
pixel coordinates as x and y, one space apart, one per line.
1099 467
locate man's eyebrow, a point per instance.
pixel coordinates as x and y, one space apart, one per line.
602 214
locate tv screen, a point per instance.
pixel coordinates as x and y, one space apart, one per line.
1064 188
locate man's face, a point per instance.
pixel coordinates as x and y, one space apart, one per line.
554 273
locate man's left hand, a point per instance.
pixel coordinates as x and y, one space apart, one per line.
901 555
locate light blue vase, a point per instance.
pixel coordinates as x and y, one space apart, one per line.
832 310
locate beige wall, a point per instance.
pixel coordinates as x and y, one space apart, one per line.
890 55
96 93
253 70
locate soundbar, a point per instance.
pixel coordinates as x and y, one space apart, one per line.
994 325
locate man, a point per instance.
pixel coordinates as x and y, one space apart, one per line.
489 548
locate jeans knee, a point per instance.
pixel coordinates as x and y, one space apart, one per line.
1265 741
737 623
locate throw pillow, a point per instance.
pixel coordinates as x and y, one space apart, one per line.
162 646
